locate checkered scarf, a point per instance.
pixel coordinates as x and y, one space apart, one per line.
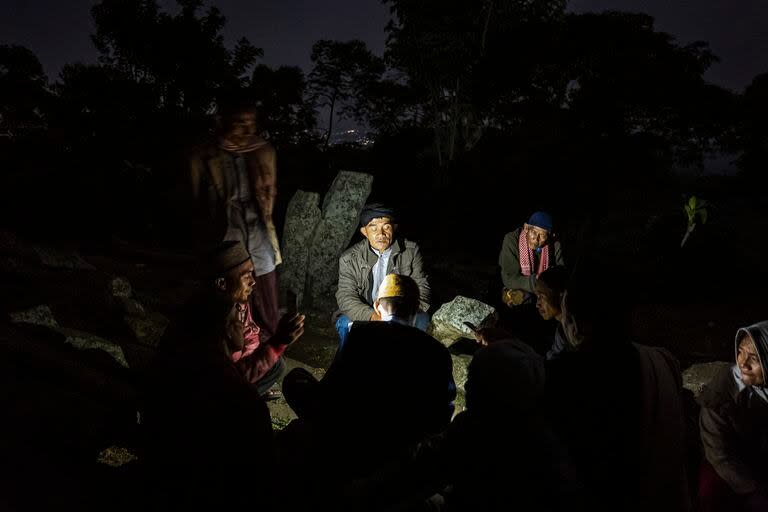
527 257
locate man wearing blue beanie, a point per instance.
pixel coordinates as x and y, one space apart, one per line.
525 253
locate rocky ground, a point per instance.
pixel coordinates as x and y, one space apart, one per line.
80 324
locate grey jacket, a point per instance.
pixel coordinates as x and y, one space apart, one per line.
509 261
356 276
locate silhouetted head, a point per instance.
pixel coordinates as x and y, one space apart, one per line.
377 224
398 298
505 377
593 313
549 289
237 117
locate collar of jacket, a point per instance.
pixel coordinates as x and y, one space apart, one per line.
371 257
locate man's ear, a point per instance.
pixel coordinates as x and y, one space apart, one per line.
526 226
376 306
221 283
364 232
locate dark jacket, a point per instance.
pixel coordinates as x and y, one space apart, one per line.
390 387
356 276
618 410
209 433
734 424
509 261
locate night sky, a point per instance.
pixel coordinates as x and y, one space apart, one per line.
58 31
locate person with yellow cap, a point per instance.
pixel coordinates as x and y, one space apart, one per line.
389 386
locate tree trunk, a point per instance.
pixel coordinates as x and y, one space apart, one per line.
330 120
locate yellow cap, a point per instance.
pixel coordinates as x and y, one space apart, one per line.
396 285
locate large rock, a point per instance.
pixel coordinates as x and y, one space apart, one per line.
696 376
38 315
460 370
57 258
341 213
42 315
301 219
87 341
147 329
447 324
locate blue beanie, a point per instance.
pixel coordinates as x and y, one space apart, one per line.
541 220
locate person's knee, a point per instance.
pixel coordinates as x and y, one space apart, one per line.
342 324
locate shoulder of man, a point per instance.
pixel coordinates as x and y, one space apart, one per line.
356 251
393 333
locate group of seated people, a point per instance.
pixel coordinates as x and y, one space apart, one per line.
586 421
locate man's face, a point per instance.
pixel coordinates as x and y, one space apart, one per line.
547 303
240 128
238 283
535 236
749 363
380 232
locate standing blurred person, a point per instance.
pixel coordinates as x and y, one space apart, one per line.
234 187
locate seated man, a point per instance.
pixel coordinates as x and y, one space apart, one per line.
257 360
363 266
616 405
389 387
525 253
204 418
549 288
734 429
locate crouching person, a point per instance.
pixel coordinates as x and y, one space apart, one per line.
734 429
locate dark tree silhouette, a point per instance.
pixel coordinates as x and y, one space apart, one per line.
24 95
753 129
341 71
282 110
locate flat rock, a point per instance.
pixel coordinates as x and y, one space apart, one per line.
696 376
147 328
38 315
85 341
59 258
447 325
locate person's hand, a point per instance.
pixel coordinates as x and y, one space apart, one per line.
512 297
375 317
290 328
491 335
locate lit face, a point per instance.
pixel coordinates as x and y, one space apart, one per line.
380 232
535 236
547 301
240 128
238 283
749 363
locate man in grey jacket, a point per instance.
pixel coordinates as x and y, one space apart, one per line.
363 266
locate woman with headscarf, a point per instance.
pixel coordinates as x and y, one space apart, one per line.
734 428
